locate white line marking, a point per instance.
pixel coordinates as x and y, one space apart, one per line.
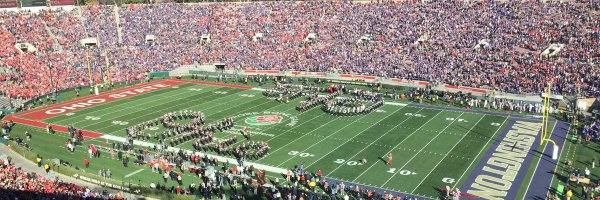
307 148
480 151
292 142
389 130
355 137
123 105
395 104
400 141
430 140
133 173
440 161
195 106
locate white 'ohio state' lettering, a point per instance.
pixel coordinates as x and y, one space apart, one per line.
76 106
161 85
55 111
96 101
116 96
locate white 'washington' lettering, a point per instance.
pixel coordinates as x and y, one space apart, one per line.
502 168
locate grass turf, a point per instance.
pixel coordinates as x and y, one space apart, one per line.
428 145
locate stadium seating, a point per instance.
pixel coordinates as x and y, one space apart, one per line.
16 183
501 46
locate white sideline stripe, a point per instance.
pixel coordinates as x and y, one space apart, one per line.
396 104
480 151
220 158
259 89
440 161
133 173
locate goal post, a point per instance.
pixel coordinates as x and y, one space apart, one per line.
545 119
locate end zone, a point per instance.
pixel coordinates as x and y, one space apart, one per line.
32 117
502 170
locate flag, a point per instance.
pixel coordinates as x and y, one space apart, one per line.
244 130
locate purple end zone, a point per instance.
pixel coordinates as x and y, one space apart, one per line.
542 177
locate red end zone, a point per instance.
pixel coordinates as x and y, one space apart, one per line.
32 117
93 100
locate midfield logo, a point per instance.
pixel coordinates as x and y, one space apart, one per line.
263 120
266 118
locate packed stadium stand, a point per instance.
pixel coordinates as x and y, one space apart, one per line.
512 47
487 45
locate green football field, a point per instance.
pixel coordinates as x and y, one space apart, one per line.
431 147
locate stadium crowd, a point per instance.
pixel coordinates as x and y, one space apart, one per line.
591 132
16 183
492 45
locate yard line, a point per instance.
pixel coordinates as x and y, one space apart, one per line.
365 146
133 173
480 151
233 99
126 106
274 126
440 161
431 140
153 113
282 147
136 106
220 158
127 103
305 149
296 126
411 134
235 125
373 124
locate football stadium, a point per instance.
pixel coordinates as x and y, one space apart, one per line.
389 100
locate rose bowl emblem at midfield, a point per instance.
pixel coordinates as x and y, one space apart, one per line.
263 120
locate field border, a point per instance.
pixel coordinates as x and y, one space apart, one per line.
511 117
